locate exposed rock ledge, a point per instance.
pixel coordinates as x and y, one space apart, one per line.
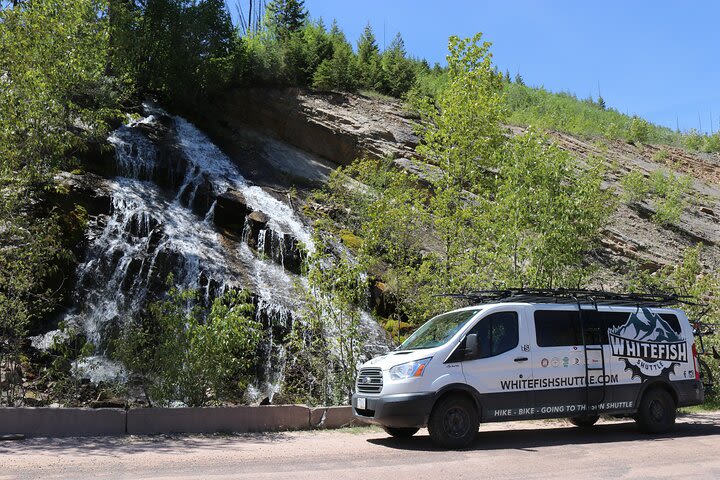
337 127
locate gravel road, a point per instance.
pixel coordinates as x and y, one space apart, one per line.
538 449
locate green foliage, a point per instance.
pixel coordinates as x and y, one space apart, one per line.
639 130
181 49
54 97
398 72
340 71
565 112
499 211
181 352
324 346
691 278
461 130
666 190
285 17
635 187
694 140
601 102
53 59
368 61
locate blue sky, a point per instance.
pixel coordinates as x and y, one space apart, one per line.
657 59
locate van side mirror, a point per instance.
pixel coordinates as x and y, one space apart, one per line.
472 347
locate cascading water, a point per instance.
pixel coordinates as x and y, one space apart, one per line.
164 201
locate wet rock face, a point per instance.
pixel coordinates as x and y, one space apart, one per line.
89 190
230 212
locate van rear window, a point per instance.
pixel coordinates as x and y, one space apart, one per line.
560 328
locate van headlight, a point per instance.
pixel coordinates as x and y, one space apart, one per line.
409 370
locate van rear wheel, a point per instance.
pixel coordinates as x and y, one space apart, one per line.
454 422
657 411
400 432
585 422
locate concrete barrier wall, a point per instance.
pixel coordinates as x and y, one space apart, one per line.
143 421
332 417
63 422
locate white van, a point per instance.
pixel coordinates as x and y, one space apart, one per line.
533 356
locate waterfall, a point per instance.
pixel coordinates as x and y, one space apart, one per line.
164 201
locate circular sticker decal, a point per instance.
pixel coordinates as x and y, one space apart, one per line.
544 362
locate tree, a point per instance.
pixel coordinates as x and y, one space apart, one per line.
518 79
507 77
601 102
182 353
340 71
54 98
398 73
369 64
461 131
497 210
285 17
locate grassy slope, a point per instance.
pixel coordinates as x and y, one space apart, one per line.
565 112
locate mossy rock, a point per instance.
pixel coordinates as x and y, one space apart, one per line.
351 240
392 325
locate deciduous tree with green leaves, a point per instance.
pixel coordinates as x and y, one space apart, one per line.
181 352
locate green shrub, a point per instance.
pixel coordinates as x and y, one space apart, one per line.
670 191
666 190
693 140
636 187
639 130
712 143
182 352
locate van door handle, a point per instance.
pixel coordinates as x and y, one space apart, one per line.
521 359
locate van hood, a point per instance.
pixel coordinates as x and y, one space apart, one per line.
397 357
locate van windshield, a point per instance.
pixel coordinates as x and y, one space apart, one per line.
437 330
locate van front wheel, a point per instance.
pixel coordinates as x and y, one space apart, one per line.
454 422
400 432
657 411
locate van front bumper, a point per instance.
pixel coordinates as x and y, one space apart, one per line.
402 410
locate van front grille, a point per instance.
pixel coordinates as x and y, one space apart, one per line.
370 380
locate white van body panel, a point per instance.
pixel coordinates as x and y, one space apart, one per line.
541 371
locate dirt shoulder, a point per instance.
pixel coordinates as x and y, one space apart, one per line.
534 449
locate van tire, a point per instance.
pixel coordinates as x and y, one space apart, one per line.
454 422
585 422
657 411
400 432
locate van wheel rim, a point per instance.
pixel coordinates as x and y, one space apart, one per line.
657 412
456 422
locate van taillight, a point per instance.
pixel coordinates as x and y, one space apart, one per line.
695 362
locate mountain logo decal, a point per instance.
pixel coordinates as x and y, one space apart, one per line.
648 345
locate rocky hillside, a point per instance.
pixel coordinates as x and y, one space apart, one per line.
334 129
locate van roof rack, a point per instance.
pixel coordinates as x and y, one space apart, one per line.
574 296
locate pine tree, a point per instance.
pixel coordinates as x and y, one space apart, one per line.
286 16
398 73
518 79
339 72
368 60
507 76
601 103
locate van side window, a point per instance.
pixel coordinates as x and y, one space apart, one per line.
561 328
497 333
557 328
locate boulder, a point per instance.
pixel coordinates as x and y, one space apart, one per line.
230 212
89 190
255 221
